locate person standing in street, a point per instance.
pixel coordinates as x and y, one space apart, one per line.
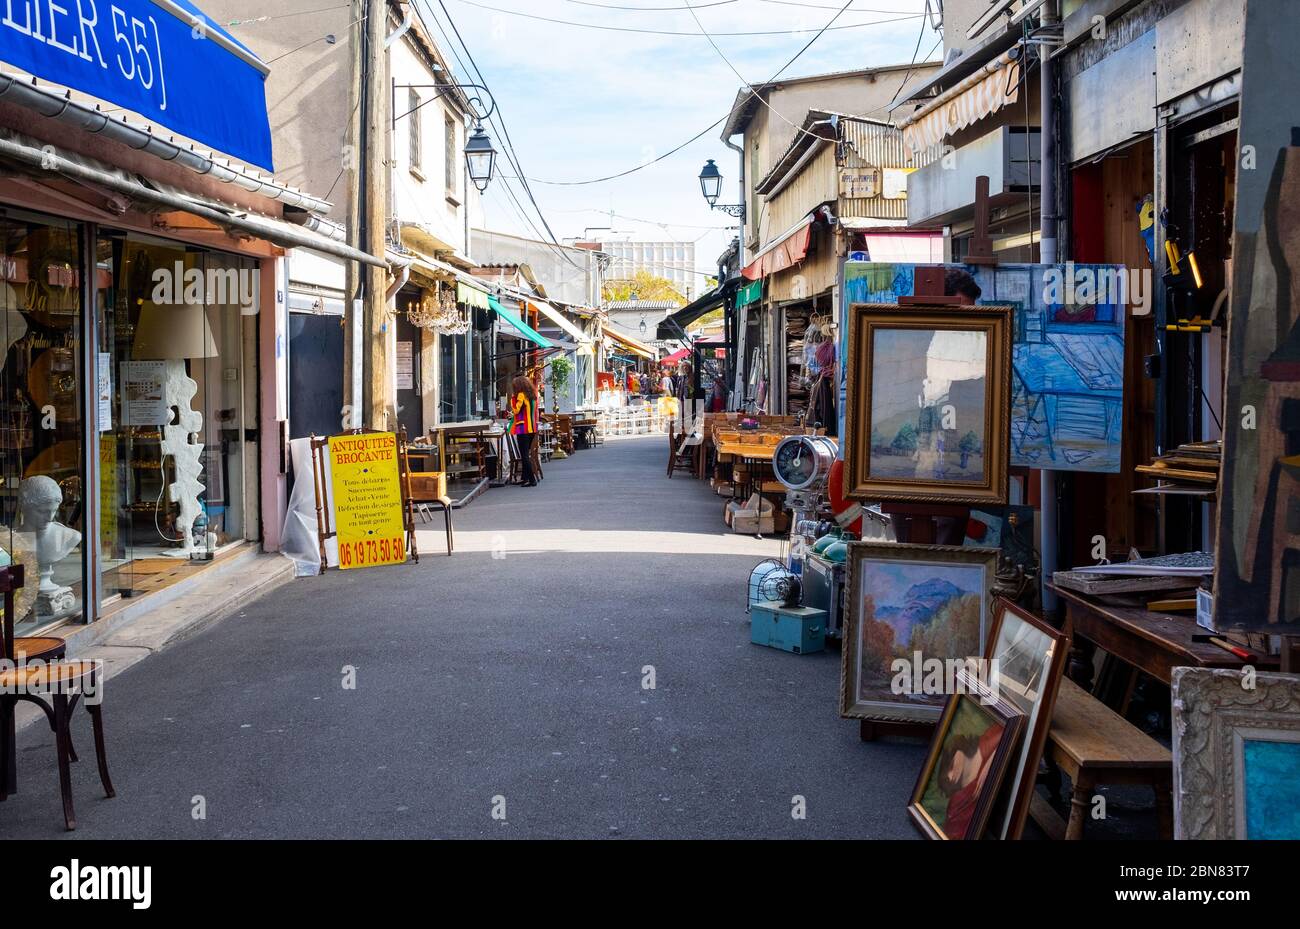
523 425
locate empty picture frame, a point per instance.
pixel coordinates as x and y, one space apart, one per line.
1236 754
1030 659
929 404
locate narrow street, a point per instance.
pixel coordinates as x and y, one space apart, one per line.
512 670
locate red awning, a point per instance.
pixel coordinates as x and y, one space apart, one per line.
786 253
675 357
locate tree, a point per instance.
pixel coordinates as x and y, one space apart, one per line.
969 445
905 442
645 285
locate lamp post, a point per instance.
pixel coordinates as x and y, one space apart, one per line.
711 187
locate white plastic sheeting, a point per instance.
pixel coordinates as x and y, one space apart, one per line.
301 540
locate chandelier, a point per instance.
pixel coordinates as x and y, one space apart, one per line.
439 313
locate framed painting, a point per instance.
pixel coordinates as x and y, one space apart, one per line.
968 760
929 404
909 606
1236 754
1027 658
1067 356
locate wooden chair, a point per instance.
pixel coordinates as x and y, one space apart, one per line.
1092 744
681 457
55 686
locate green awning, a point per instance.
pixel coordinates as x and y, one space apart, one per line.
525 331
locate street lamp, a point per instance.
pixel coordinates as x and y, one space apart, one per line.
711 183
711 187
481 158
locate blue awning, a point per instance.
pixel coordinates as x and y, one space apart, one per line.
163 59
525 331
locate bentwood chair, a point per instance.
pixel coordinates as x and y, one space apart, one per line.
55 686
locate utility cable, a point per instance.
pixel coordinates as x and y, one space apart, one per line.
600 180
668 32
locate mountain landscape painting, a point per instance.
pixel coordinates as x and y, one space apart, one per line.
910 599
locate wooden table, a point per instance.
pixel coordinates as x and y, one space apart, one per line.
1149 641
584 430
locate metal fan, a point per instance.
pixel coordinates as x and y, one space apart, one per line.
772 582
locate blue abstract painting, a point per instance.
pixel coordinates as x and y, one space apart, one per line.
1067 399
1272 789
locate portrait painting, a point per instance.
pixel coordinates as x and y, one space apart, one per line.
930 601
966 765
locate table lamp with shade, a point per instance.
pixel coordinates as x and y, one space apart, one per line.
172 333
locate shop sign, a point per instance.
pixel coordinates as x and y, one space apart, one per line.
162 59
896 183
366 491
860 183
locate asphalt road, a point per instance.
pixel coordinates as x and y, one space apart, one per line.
507 679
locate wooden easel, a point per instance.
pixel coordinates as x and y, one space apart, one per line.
319 451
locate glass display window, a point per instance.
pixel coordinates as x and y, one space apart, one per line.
42 500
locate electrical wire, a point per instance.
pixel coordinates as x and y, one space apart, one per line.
920 37
824 6
508 142
267 19
673 151
668 32
648 222
800 130
645 9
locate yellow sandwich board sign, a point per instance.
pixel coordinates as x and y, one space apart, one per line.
366 490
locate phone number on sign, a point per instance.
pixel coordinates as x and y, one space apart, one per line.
372 552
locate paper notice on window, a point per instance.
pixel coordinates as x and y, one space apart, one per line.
405 365
142 393
104 391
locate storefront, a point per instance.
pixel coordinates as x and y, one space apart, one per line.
144 388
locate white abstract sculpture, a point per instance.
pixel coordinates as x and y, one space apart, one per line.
179 390
39 498
172 333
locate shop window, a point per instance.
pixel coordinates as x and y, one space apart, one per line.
177 353
42 500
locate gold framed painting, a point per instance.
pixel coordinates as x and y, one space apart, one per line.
967 763
929 404
914 612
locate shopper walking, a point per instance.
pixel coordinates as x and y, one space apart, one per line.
523 426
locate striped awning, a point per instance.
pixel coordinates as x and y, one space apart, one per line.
982 94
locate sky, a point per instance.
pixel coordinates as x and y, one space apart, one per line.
582 103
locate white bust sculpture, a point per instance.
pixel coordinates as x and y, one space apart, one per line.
39 498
